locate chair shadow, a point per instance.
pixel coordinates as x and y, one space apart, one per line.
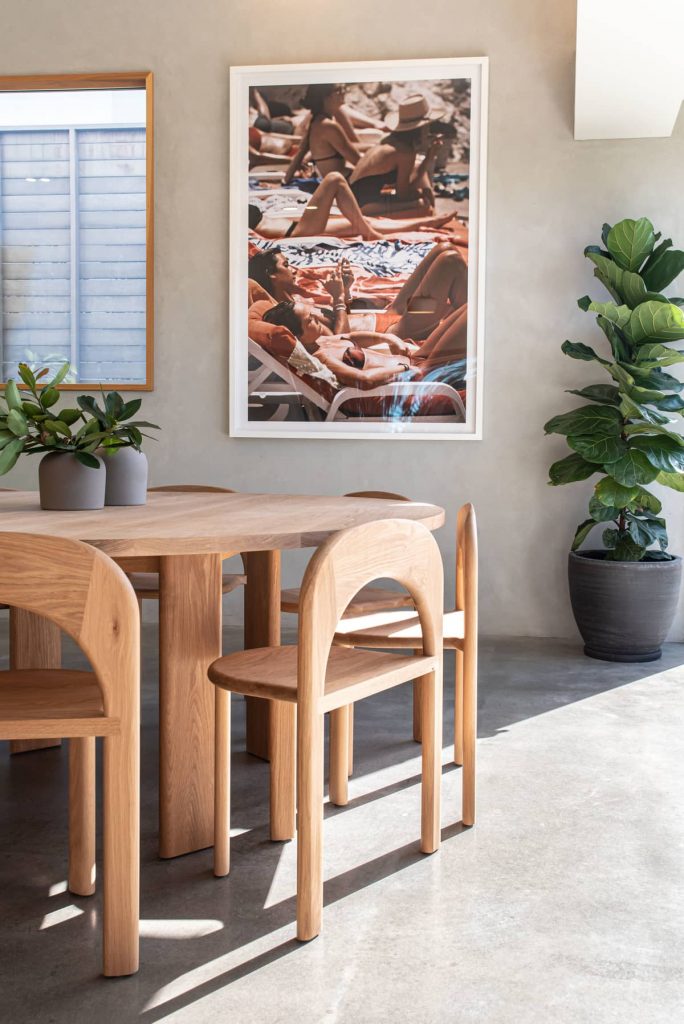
266 921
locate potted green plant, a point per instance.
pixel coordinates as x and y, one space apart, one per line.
72 473
125 462
624 595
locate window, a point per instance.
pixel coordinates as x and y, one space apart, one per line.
74 223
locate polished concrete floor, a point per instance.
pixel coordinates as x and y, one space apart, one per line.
565 903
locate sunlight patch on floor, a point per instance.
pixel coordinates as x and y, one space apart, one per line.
60 916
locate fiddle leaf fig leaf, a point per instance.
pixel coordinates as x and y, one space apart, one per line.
604 450
633 468
606 394
654 354
662 268
607 272
626 549
588 419
630 241
663 453
601 513
672 480
645 500
609 492
571 468
616 314
576 350
656 321
582 532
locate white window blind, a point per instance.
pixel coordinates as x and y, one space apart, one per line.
72 237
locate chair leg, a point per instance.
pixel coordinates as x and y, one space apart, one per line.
416 708
222 783
82 815
458 709
469 732
309 824
350 736
339 756
121 853
282 727
431 729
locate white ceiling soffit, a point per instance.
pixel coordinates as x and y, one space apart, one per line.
629 78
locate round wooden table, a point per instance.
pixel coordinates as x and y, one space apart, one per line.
184 536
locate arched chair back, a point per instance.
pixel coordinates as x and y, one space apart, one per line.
395 549
88 596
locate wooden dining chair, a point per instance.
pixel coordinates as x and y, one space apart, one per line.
401 630
146 583
318 678
368 600
84 593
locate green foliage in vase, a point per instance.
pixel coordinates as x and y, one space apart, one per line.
624 432
30 424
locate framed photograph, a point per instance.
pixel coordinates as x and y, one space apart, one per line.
357 249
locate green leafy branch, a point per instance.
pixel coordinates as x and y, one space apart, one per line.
624 433
29 423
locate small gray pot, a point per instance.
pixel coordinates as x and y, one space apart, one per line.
67 485
623 610
126 477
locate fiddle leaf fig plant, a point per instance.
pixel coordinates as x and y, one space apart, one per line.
624 432
29 422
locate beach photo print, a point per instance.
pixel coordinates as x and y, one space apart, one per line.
357 249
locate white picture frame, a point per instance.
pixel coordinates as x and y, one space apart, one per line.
250 379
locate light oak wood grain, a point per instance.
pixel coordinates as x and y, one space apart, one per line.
368 599
212 523
34 642
190 607
315 678
400 630
189 523
83 593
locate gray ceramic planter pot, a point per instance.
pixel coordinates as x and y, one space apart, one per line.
66 485
623 610
126 477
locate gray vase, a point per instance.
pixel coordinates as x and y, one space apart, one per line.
126 477
67 485
623 610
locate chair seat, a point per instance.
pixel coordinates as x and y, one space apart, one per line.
146 584
395 630
367 600
51 703
351 674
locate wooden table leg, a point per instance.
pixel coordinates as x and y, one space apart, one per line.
189 640
270 724
34 643
262 629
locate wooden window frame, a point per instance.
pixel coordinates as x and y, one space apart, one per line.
112 80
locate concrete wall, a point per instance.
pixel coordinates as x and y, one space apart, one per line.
548 197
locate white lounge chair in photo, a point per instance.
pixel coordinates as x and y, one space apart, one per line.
294 386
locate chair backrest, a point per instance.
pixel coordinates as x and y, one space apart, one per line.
89 597
466 568
389 495
396 549
198 488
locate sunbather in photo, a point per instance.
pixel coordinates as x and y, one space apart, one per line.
388 180
316 217
437 287
330 140
367 358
